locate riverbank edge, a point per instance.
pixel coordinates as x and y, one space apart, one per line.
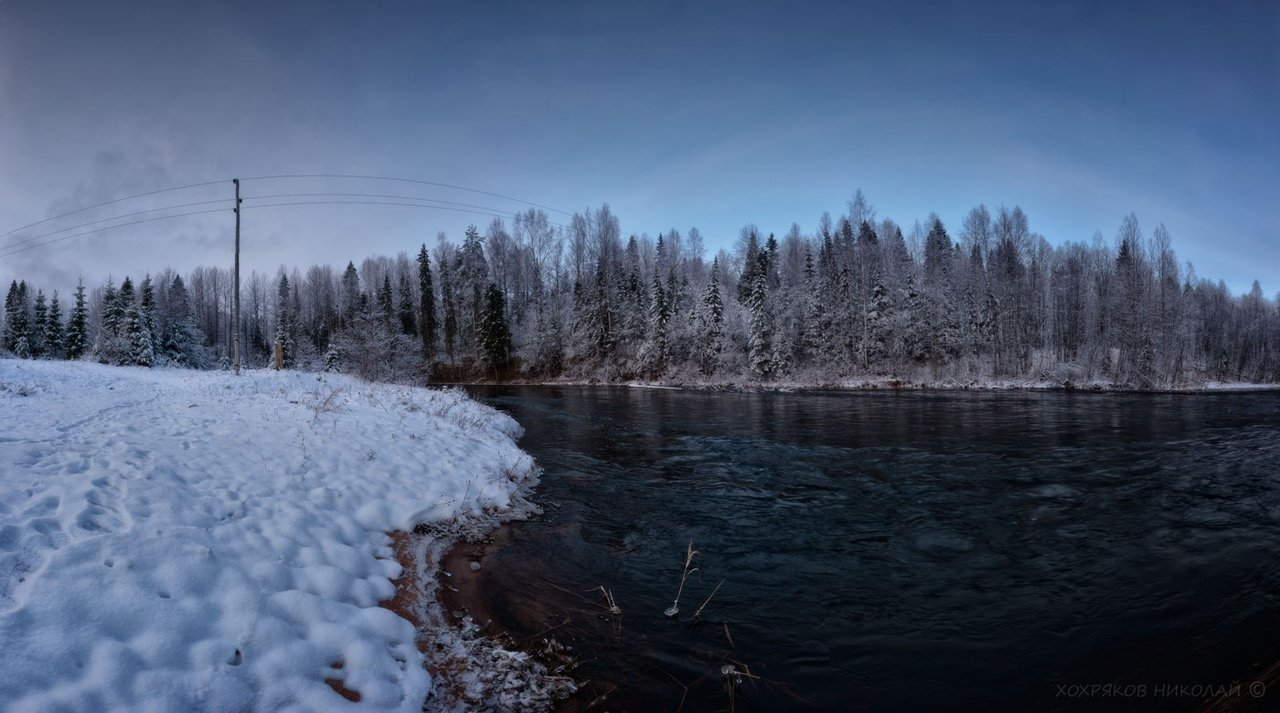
887 384
471 669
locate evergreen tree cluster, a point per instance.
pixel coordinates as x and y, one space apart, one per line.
856 298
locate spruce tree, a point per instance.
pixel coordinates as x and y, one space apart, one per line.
450 313
656 345
35 334
386 303
350 293
10 302
760 344
113 308
77 339
407 325
147 305
426 306
182 340
53 331
138 335
285 321
711 330
17 323
495 336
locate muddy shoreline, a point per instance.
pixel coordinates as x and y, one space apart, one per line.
537 628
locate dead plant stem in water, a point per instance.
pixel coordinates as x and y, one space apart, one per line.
689 569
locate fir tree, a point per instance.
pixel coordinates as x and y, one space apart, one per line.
449 307
35 334
495 336
112 312
760 344
351 296
711 329
285 320
602 340
18 324
386 303
138 335
10 306
426 306
656 346
147 304
126 295
77 339
407 325
53 331
181 343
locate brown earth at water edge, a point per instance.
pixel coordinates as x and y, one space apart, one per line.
408 589
461 586
532 620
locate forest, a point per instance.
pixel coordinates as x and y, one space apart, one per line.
854 300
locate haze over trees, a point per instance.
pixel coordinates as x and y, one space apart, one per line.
857 298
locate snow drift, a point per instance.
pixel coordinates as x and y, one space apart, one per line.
174 540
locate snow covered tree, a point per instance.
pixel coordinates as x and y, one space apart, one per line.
35 334
138 338
112 345
285 321
77 339
404 308
17 323
760 344
53 331
181 341
495 336
426 306
711 324
654 352
147 304
450 313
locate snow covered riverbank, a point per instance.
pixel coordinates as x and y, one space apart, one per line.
178 540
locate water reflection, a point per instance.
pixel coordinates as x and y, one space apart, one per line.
899 551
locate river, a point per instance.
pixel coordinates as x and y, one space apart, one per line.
899 551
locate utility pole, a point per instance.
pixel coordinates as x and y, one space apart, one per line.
235 309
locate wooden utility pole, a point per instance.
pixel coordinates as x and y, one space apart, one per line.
235 289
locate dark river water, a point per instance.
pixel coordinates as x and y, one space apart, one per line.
901 551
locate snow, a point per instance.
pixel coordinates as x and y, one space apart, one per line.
178 540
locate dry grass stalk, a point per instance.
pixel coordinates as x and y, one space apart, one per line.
707 600
689 569
613 608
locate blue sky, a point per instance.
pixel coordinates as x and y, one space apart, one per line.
703 114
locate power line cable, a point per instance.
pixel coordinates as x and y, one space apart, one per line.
478 209
15 251
23 246
491 213
406 180
375 195
118 217
116 200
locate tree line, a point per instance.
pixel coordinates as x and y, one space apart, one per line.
854 299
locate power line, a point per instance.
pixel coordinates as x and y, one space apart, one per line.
376 195
389 198
7 252
108 220
491 213
28 244
116 200
406 180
